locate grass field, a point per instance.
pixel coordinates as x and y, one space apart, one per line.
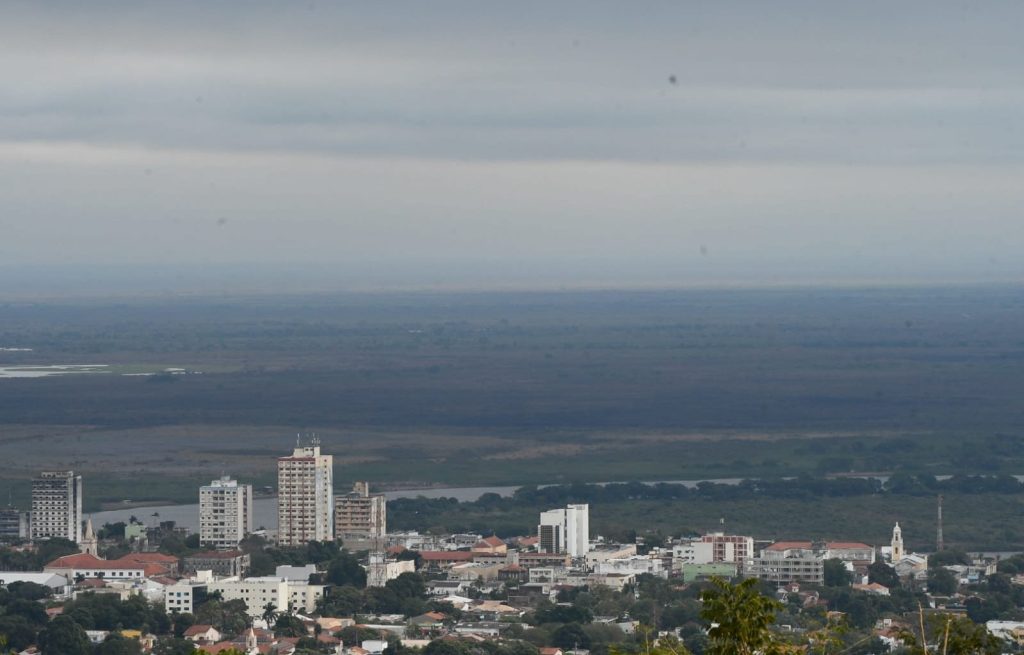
473 389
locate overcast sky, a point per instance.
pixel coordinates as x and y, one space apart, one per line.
517 143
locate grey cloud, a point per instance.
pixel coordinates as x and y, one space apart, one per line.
839 135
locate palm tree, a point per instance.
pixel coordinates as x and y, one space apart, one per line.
269 613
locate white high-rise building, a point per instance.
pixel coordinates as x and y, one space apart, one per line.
225 513
57 506
305 496
565 531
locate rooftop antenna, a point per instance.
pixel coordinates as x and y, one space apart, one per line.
939 545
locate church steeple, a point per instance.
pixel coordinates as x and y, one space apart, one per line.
897 544
89 544
251 643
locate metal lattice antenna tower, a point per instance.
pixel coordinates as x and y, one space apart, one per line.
939 544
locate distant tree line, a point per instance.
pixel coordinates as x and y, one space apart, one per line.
415 513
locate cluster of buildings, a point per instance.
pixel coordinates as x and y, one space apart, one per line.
561 554
56 510
307 507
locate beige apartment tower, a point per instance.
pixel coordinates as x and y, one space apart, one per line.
360 514
225 513
57 506
305 503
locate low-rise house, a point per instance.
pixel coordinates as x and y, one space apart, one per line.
428 621
1012 631
473 571
635 565
513 573
530 560
490 546
97 636
444 559
604 552
201 633
488 629
694 572
447 587
912 566
616 581
872 588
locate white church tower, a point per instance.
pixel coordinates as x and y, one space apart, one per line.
89 543
897 544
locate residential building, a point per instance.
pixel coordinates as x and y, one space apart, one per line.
728 547
305 502
360 514
851 552
713 548
225 513
57 506
606 551
14 524
803 561
692 572
788 561
635 565
295 573
186 596
222 563
565 531
284 595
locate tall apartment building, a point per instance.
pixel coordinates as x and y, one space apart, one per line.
57 506
565 531
13 524
225 513
360 514
729 547
714 548
305 500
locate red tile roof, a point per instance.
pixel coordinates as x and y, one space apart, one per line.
219 554
787 545
86 561
197 629
850 545
153 558
149 563
493 540
446 555
93 582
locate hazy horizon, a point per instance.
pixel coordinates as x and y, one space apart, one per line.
218 148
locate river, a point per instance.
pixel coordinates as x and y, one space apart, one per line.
264 510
